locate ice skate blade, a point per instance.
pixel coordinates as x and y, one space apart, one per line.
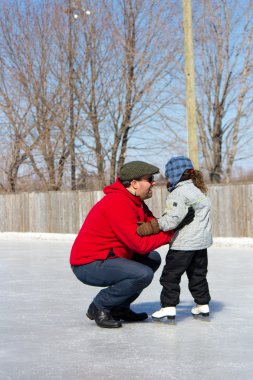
169 321
158 319
202 317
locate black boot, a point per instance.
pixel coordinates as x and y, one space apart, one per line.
102 318
127 314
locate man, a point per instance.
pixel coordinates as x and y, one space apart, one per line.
109 253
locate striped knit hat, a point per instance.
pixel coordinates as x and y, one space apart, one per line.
175 168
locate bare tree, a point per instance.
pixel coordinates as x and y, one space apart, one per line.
32 90
224 56
123 63
120 75
124 76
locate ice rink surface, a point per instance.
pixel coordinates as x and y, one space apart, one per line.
46 335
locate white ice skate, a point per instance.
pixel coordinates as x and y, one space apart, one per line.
201 310
169 312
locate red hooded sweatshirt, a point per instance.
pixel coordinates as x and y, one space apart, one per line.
111 225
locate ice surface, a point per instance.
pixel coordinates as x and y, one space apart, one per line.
45 334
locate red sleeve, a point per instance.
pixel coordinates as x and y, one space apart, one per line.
123 221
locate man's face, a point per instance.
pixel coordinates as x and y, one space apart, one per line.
143 187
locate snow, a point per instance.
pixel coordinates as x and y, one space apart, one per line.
36 236
218 241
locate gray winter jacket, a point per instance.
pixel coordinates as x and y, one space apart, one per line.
197 234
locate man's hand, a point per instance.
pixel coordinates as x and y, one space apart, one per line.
148 228
187 219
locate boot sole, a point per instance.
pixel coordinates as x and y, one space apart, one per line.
109 327
201 315
171 317
103 326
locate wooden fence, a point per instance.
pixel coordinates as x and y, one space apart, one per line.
64 212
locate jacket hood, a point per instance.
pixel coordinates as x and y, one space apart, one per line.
118 188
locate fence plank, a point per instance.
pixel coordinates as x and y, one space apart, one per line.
64 212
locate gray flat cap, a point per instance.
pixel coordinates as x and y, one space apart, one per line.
137 169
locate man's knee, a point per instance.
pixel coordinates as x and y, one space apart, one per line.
156 259
145 277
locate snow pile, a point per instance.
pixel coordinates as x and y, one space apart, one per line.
218 241
233 242
36 236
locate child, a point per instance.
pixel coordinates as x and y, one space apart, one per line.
188 248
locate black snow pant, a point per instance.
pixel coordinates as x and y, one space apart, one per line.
194 263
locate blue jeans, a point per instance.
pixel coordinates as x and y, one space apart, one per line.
123 279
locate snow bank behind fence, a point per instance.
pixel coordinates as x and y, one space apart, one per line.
218 241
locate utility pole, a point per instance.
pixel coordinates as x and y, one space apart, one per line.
190 87
71 99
